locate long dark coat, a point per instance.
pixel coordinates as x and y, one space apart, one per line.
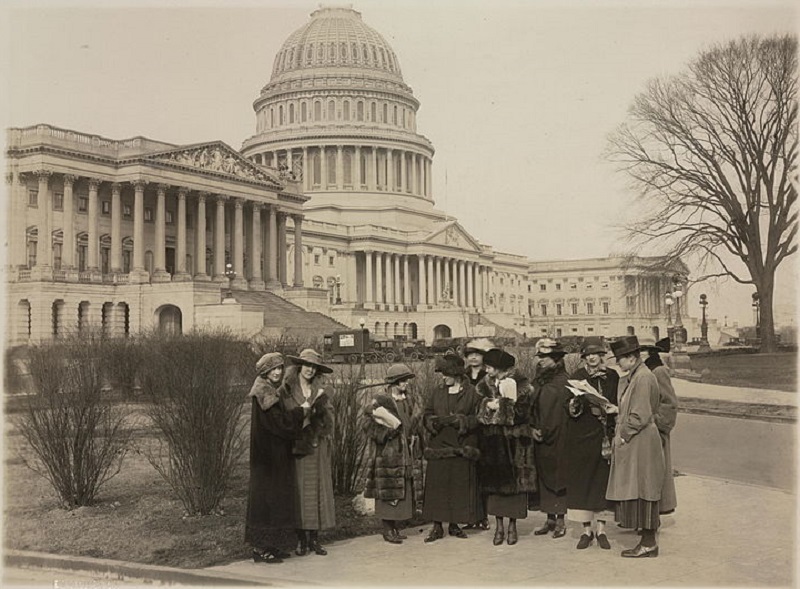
588 471
507 465
665 417
551 418
451 484
271 496
392 457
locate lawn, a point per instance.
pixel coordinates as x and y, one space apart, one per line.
137 518
761 371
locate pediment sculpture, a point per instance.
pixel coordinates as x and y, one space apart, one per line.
216 158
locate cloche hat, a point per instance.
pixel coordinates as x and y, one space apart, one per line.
592 345
550 347
397 373
269 362
450 365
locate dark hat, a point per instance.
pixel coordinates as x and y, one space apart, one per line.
592 345
649 343
450 365
547 347
498 359
480 345
312 358
268 362
625 345
398 373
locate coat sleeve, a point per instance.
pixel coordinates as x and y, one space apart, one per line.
375 431
283 423
640 411
667 413
552 411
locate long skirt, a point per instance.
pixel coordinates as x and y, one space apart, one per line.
513 506
264 537
552 502
402 511
637 513
314 501
450 491
586 515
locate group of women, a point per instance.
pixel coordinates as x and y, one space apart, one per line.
494 442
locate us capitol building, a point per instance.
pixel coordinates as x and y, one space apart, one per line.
328 209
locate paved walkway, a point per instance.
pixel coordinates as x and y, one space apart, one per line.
698 390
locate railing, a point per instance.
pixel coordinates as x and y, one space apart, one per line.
59 275
84 277
24 275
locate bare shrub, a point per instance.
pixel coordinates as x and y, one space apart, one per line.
188 381
78 436
124 358
348 441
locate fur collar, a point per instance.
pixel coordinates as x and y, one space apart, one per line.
265 392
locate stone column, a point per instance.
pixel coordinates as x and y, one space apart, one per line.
422 298
93 264
219 240
273 280
413 175
240 281
17 231
406 282
323 168
181 274
282 249
379 298
428 182
372 177
138 231
306 171
430 300
397 291
351 278
390 170
298 250
439 287
389 279
256 281
200 238
159 271
44 253
480 277
339 167
368 282
357 168
462 283
470 283
402 181
68 251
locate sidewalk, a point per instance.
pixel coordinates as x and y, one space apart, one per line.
698 390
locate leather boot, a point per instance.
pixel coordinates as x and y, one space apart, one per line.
302 543
313 543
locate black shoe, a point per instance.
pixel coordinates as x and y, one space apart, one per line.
397 534
302 548
640 552
585 541
436 533
392 539
560 530
454 530
549 526
266 557
602 541
499 536
512 536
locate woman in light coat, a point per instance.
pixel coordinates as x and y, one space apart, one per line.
637 460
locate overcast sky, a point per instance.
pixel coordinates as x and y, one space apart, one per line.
518 98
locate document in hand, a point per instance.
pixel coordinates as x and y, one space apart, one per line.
583 388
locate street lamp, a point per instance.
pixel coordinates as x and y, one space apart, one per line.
757 313
704 325
338 289
230 274
669 301
364 333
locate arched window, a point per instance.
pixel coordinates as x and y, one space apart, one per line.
348 168
331 163
360 111
58 317
363 169
291 113
281 120
385 113
373 112
316 163
106 318
317 110
386 327
83 315
303 112
346 110
148 261
404 118
271 117
317 281
331 110
394 115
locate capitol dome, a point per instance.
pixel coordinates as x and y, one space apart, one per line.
335 38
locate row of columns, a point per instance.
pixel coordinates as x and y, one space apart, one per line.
275 223
413 176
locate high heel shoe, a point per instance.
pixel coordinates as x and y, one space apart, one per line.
549 526
313 544
499 536
512 536
397 534
457 532
640 552
437 533
560 530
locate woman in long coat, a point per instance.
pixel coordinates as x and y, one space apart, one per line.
666 415
637 460
452 453
270 500
314 507
507 467
590 428
393 458
550 420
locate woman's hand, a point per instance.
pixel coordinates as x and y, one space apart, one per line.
537 435
494 404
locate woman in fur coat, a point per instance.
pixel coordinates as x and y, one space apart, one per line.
393 458
451 478
665 415
314 507
506 467
270 500
590 425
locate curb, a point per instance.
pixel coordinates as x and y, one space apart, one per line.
121 569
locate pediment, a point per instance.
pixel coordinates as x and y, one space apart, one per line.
451 234
218 158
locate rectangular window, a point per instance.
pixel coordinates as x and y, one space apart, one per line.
589 329
558 286
574 308
605 308
57 256
558 308
331 260
58 201
33 198
589 286
105 207
590 308
542 287
316 259
604 286
31 254
573 286
126 211
148 215
544 310
83 204
169 218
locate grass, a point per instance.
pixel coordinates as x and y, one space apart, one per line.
759 371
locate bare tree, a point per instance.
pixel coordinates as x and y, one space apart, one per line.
712 153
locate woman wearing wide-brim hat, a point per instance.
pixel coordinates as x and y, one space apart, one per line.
393 459
451 479
314 506
550 427
665 413
271 496
589 431
507 467
637 459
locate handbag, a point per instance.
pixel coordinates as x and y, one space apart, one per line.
605 448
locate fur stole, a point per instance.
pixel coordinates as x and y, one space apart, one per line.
468 452
266 394
320 419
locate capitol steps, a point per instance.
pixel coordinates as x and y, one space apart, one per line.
285 318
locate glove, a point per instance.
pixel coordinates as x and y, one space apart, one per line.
384 417
537 435
431 423
494 404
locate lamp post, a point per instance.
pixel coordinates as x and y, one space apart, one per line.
757 313
338 289
364 334
680 330
669 301
230 274
704 347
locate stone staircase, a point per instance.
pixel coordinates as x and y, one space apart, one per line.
284 318
499 331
